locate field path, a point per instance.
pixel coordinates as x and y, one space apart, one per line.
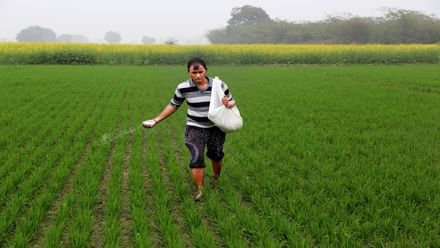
175 204
49 220
152 211
125 216
182 164
97 237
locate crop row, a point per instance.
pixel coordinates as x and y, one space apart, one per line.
41 53
340 156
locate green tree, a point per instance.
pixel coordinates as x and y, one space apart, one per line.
148 40
36 34
247 15
171 41
218 36
407 26
350 29
112 37
79 38
76 38
250 24
65 38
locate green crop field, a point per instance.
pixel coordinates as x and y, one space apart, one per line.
329 156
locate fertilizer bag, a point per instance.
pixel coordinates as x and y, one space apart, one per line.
228 120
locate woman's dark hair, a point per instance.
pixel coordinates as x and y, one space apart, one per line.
196 62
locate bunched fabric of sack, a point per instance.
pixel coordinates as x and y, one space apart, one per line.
227 119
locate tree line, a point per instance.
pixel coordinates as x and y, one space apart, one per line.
249 24
42 34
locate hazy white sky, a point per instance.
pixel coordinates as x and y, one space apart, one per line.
184 20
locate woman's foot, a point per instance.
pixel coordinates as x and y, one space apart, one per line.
214 182
199 195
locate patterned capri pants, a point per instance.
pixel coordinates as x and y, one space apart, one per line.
197 138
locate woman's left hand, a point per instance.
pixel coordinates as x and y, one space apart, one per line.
227 103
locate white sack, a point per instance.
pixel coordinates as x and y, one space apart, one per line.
228 120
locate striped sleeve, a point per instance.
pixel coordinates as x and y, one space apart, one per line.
226 91
177 99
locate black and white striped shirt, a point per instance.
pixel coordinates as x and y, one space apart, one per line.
198 101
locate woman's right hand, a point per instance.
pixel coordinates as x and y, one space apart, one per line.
149 123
